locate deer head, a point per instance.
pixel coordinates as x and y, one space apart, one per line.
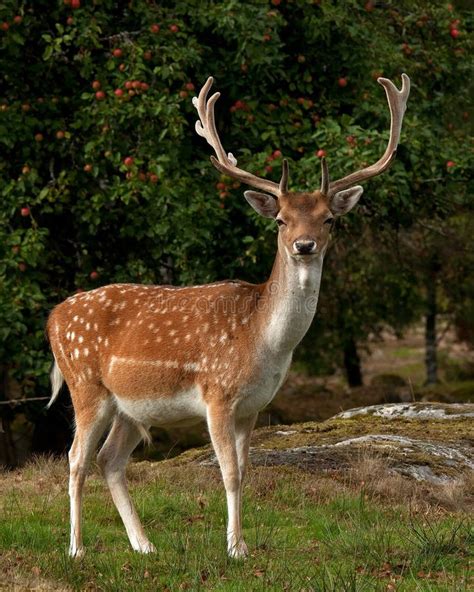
304 218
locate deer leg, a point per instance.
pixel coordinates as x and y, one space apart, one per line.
243 432
91 423
112 459
221 424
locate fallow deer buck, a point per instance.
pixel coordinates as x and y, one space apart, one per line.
135 356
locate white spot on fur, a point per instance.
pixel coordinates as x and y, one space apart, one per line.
76 353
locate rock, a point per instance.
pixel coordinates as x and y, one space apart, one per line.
427 442
424 411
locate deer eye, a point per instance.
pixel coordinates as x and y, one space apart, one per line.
280 222
329 221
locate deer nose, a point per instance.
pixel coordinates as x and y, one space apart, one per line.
305 247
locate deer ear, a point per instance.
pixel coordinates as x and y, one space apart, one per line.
263 204
343 201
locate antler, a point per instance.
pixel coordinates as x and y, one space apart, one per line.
397 101
227 163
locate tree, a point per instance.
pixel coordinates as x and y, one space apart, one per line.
103 178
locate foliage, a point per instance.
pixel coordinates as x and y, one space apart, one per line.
103 178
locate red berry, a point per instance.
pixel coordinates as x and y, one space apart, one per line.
153 178
117 52
60 135
15 249
118 92
94 275
136 84
96 85
87 168
128 161
129 84
4 26
320 153
174 28
147 55
183 94
221 186
450 164
17 19
454 33
75 4
39 137
25 170
342 82
277 154
25 212
122 67
22 266
100 95
276 2
155 28
369 6
25 107
189 86
144 86
69 20
267 37
269 168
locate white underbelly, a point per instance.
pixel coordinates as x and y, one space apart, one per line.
184 408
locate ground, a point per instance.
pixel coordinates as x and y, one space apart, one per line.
346 520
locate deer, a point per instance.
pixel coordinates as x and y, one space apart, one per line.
136 356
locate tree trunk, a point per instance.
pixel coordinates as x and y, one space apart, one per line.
430 333
352 363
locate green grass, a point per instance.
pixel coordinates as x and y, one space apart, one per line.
304 533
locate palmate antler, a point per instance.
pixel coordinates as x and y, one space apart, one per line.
397 102
227 163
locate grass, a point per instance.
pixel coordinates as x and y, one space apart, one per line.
304 533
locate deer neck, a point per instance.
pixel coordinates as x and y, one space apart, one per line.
289 301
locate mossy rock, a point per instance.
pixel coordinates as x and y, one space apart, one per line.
437 447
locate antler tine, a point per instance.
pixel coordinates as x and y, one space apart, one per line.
227 163
324 176
397 101
284 177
